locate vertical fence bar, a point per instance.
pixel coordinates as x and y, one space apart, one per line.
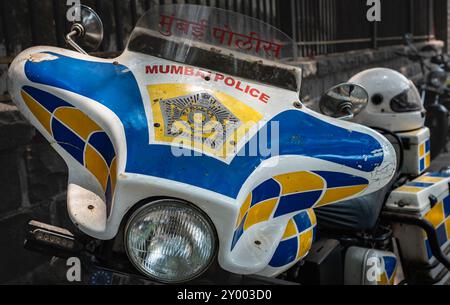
32 21
303 27
294 25
275 14
119 25
59 23
299 13
430 30
4 26
317 29
328 18
374 35
293 21
133 12
411 17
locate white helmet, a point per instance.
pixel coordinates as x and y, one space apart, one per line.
394 101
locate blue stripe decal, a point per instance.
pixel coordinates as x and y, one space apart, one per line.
441 234
428 248
302 221
389 265
49 101
73 151
101 142
296 202
115 87
285 253
238 233
427 146
266 190
336 179
447 206
68 140
419 184
438 175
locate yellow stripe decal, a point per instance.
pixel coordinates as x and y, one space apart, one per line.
291 229
299 182
409 189
428 179
312 216
113 174
244 208
335 194
76 120
305 243
436 215
383 279
427 160
96 165
260 212
41 114
422 149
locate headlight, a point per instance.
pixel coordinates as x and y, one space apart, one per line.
437 78
170 241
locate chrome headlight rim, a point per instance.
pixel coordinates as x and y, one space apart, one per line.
172 202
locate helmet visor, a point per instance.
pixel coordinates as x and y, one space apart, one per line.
407 101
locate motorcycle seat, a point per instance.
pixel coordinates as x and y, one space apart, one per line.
356 214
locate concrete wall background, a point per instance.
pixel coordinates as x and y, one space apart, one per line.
33 177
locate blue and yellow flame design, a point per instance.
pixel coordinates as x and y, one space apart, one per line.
294 192
297 239
77 134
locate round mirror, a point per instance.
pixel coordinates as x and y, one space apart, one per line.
344 100
408 38
89 29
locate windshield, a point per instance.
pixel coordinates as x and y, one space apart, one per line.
219 40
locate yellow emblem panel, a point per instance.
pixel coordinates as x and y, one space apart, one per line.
204 120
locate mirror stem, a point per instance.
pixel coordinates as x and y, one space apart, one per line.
76 31
347 117
346 108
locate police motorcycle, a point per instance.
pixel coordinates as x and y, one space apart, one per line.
406 223
191 157
434 89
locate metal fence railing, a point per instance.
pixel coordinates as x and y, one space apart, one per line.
319 26
328 26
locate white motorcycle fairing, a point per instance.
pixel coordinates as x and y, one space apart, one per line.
112 121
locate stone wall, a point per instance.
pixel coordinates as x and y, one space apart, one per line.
326 71
33 177
32 186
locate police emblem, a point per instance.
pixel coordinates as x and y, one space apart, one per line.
199 117
208 121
